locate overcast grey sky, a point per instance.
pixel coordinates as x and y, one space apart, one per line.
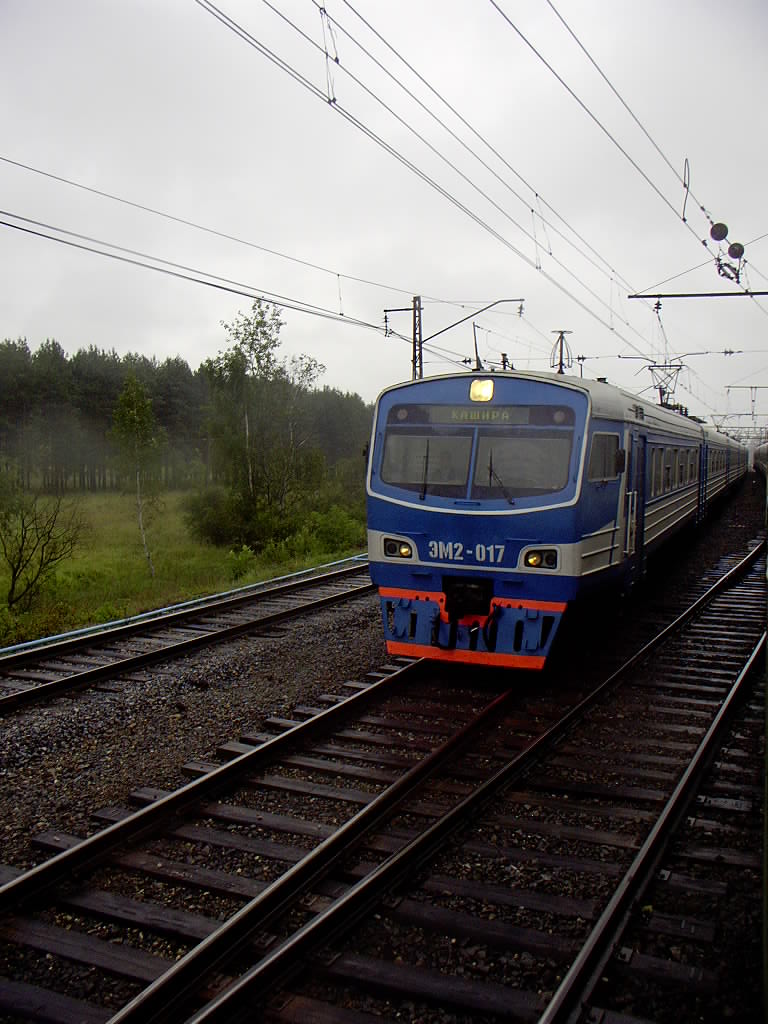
158 103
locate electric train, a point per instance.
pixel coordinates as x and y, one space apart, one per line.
495 500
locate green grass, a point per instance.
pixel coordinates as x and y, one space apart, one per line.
108 577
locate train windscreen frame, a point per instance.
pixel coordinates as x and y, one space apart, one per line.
499 452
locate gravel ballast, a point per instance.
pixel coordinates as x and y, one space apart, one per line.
62 761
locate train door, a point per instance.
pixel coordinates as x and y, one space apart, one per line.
634 517
703 476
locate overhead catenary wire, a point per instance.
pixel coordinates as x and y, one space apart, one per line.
187 222
534 263
536 195
700 266
611 137
683 179
620 98
593 117
207 279
179 270
464 303
243 34
605 269
203 227
469 126
330 302
228 236
154 211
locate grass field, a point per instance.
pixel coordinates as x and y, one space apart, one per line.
108 577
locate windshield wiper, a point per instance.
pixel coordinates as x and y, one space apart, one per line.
423 494
493 475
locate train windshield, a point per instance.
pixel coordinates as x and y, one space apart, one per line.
502 452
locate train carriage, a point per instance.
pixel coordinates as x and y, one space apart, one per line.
497 499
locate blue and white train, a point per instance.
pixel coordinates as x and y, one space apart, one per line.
497 499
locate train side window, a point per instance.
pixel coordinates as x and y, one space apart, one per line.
668 469
657 469
682 468
604 457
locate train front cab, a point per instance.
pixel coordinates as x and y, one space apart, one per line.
488 545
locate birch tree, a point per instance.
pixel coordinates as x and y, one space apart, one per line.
140 444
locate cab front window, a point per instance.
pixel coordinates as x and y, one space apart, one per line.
518 464
427 461
491 453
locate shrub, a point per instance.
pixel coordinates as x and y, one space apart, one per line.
337 530
239 563
208 515
9 631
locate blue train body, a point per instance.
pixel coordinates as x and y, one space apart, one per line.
495 500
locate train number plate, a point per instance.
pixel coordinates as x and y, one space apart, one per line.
457 551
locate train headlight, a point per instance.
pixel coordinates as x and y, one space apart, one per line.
397 548
481 390
544 558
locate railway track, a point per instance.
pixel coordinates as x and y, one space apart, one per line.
44 672
430 847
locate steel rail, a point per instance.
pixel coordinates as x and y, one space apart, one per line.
160 620
284 961
349 908
33 883
44 691
584 973
160 999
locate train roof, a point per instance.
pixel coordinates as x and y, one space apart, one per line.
607 401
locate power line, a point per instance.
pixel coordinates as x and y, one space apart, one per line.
164 214
484 141
404 124
179 270
592 116
184 273
442 157
685 179
619 97
229 23
199 227
223 234
611 137
243 34
699 266
461 141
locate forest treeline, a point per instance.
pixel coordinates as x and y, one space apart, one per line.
251 435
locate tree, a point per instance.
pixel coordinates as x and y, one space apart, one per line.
239 378
97 377
53 426
259 423
35 535
140 444
286 461
16 392
177 398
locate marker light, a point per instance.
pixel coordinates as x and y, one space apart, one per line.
397 548
543 559
481 390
